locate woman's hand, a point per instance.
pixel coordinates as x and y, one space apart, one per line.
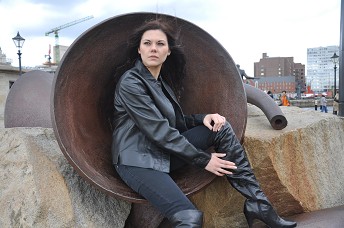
219 166
217 120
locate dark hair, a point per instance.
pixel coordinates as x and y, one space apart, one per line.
173 69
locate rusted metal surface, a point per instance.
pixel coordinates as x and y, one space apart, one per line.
329 218
144 215
83 88
271 110
28 101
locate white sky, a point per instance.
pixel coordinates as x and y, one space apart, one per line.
245 28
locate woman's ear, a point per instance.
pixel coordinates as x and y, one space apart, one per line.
138 50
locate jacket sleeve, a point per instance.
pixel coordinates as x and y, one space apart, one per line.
137 102
194 120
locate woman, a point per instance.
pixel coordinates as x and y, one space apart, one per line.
153 137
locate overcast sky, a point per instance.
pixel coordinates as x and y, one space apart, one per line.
245 28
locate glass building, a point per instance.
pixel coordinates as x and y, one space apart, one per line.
320 68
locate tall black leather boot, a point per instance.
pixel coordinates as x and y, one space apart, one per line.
257 206
187 219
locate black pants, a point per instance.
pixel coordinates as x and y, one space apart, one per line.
158 187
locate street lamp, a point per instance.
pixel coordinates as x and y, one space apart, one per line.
334 59
19 41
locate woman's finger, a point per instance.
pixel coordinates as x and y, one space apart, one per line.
224 162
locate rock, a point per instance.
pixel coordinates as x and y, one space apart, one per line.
307 155
38 188
299 168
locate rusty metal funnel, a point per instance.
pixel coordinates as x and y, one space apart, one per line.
83 87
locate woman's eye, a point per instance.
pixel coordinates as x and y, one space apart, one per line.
161 44
146 43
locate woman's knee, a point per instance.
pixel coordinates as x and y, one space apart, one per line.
227 127
226 132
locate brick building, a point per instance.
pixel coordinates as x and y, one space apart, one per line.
274 84
280 70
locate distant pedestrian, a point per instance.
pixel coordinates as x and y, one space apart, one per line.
323 103
284 99
320 103
270 94
315 102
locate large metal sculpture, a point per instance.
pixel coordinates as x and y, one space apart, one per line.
28 102
271 110
83 87
82 91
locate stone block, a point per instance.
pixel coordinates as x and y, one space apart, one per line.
38 188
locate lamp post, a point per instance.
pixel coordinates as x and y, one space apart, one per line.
19 42
334 59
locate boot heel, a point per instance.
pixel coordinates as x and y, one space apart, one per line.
249 220
253 210
249 216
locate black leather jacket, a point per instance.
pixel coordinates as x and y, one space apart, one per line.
148 121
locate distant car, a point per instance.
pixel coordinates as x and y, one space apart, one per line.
307 95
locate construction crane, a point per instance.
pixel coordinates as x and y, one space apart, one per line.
56 32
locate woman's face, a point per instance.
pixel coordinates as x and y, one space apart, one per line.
154 48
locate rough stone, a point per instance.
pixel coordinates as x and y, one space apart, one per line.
299 168
38 188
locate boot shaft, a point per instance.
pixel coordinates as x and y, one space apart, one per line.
187 219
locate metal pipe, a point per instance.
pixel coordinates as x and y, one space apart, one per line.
28 101
271 110
341 63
